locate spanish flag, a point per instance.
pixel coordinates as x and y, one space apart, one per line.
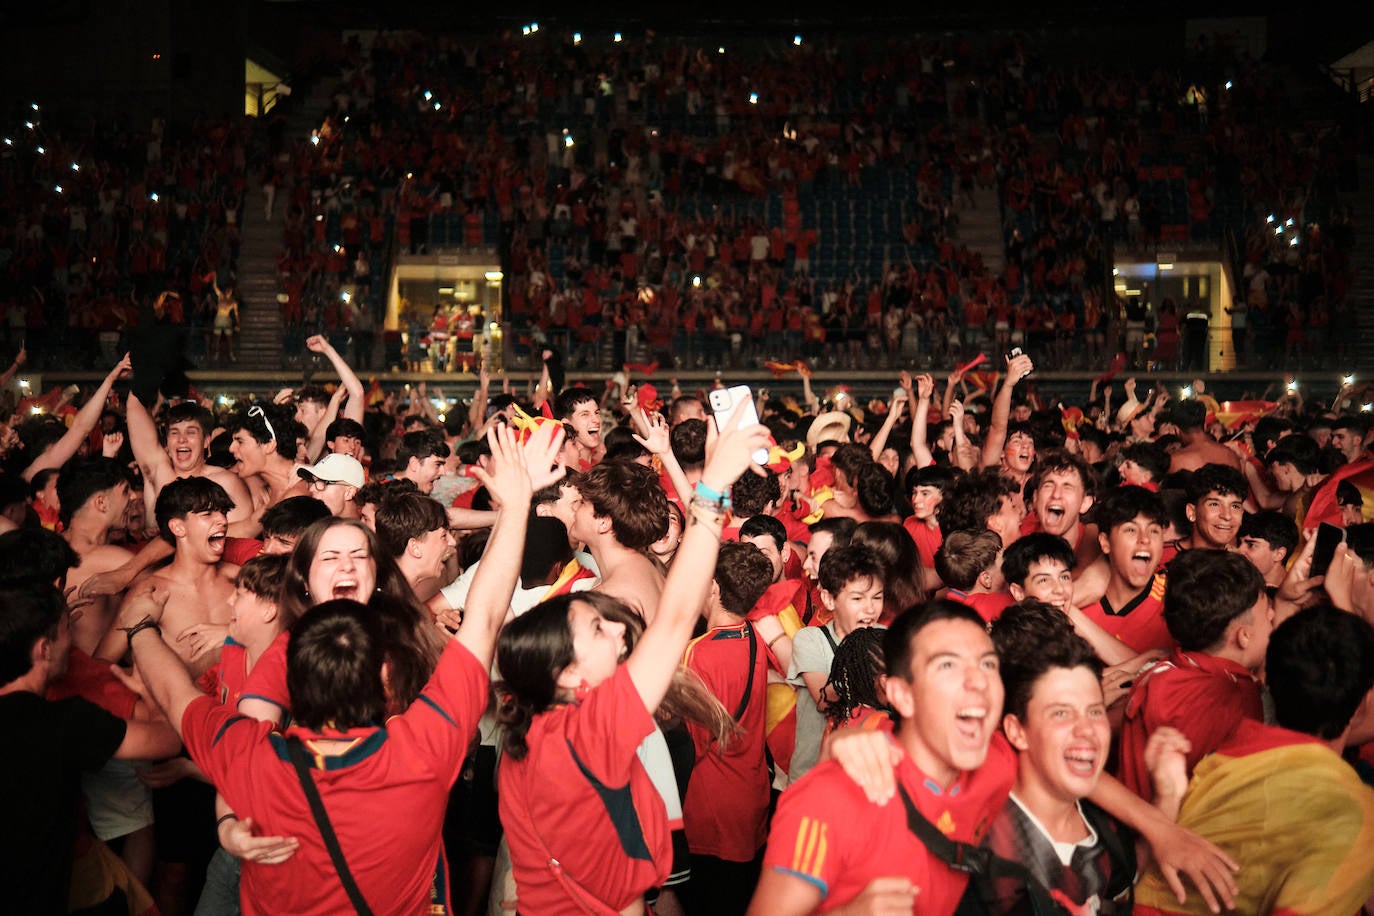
1323 506
1235 414
1296 817
786 599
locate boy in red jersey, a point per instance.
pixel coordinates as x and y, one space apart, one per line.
970 563
725 812
1132 521
1063 489
829 846
1217 609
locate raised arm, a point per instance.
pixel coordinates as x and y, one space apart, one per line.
19 359
809 399
352 385
477 410
148 451
659 443
314 446
82 424
1018 367
920 419
515 474
955 378
965 454
657 655
894 414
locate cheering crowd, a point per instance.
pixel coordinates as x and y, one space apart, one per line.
600 651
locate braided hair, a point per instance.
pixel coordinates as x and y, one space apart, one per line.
854 674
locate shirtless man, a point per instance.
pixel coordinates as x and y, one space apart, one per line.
182 454
579 408
93 494
258 436
1199 448
621 511
191 515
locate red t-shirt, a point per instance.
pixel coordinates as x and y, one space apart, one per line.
927 540
230 679
386 795
725 812
827 833
267 680
989 605
582 797
1203 696
1140 624
91 680
240 550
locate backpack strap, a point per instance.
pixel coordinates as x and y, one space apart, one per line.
1120 850
749 680
296 751
977 862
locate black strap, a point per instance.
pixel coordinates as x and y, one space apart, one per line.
834 646
1120 852
296 751
749 681
975 861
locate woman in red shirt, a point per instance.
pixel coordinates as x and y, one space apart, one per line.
587 830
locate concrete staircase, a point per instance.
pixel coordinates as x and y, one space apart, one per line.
981 228
260 343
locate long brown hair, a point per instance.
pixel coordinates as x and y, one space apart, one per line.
896 551
535 647
415 642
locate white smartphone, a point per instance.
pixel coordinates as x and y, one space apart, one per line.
723 404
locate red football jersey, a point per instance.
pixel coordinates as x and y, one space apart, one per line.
1140 624
1203 696
725 812
827 833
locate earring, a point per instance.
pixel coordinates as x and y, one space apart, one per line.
582 691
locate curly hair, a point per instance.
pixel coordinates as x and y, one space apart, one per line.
854 673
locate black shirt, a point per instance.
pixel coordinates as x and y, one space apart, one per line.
49 746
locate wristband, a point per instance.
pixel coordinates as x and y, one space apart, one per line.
147 623
231 816
711 497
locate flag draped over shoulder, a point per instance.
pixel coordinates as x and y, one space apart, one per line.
786 599
1323 506
1295 815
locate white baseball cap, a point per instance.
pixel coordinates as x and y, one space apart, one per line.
336 468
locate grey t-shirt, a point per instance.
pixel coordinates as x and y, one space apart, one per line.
811 651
